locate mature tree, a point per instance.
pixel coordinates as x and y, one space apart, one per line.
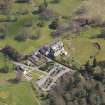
45 3
12 53
23 1
54 24
56 1
21 37
41 8
24 35
94 62
87 65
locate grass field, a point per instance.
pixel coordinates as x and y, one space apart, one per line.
82 49
16 93
90 32
64 8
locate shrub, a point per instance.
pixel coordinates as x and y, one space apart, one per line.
28 23
40 24
41 8
34 37
4 69
21 37
23 1
22 11
56 1
54 24
2 36
102 34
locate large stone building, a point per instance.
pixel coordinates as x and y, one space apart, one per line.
53 50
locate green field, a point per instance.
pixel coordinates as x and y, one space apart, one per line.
18 94
21 93
82 49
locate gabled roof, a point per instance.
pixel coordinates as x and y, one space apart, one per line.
57 45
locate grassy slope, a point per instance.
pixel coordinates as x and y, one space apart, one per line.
82 48
19 94
65 8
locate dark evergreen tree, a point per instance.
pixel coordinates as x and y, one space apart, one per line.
94 62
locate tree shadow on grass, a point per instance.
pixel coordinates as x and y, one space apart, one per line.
13 81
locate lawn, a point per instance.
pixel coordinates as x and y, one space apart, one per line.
81 49
65 7
90 32
18 94
101 56
2 60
